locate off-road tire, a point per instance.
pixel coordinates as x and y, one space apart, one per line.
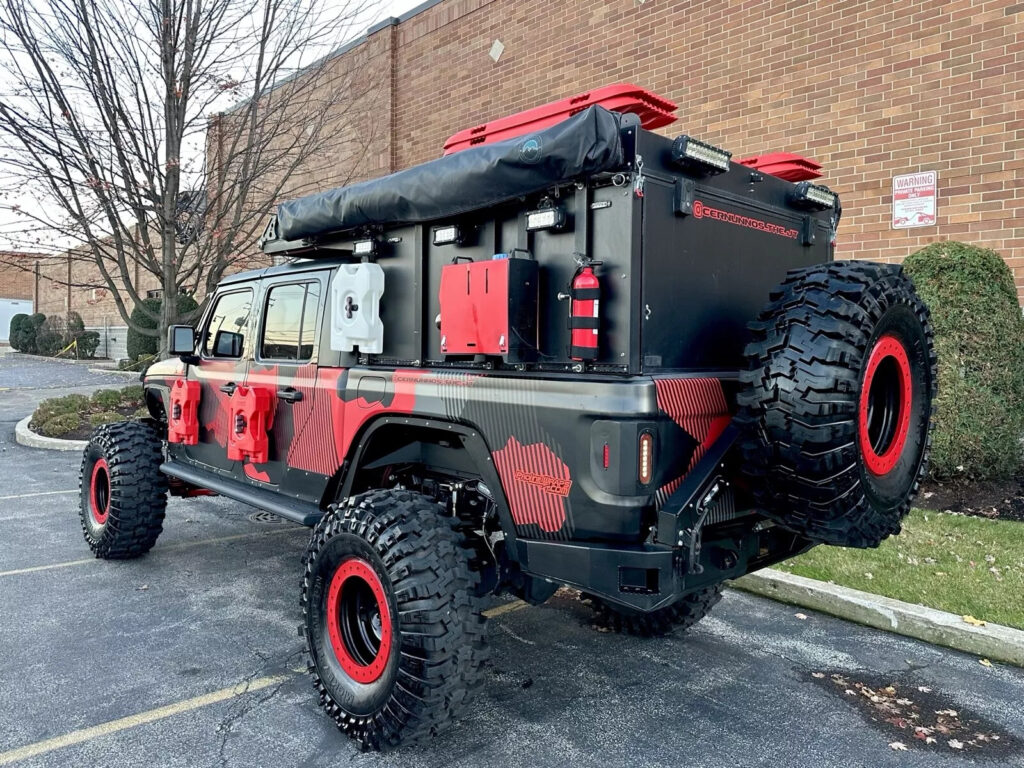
122 491
833 449
437 646
681 615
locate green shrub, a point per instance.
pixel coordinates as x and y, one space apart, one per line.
106 399
50 336
14 334
104 417
28 328
979 338
59 426
59 406
142 345
131 395
88 343
142 413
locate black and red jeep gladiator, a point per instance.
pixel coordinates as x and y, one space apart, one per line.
569 352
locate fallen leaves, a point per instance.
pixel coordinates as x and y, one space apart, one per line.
985 663
801 616
920 718
973 621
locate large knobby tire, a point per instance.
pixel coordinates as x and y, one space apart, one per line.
122 491
837 402
392 622
681 615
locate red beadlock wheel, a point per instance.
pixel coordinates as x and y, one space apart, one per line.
359 620
886 400
99 491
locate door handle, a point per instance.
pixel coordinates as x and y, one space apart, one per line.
229 388
289 395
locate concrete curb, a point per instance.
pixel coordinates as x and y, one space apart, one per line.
126 374
992 641
26 436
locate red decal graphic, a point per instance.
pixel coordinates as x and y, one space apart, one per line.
536 482
256 474
699 407
553 485
703 211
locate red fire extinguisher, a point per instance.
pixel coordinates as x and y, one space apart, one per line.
584 313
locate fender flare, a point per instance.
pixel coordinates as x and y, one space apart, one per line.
472 442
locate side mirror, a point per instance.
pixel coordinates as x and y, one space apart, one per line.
181 340
227 344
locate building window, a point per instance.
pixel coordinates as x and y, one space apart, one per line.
157 293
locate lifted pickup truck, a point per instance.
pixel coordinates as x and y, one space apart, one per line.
584 355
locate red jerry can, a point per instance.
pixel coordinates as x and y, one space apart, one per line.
183 418
251 416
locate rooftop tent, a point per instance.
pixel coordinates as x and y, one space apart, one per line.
586 143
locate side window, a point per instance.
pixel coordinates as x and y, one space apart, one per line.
289 322
225 332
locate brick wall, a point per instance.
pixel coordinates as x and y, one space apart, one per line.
16 277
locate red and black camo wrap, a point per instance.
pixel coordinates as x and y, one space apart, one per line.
698 405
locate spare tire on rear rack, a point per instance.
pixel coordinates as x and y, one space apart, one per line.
836 405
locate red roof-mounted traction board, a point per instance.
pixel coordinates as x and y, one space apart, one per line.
653 111
785 165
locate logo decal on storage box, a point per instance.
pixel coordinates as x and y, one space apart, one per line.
703 211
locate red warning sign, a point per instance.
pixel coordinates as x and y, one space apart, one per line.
914 200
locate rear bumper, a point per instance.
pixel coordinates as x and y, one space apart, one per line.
653 576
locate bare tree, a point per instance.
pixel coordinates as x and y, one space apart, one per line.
158 134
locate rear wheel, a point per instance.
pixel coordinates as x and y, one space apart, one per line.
393 625
837 402
681 615
123 494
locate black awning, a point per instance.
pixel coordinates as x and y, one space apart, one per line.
587 143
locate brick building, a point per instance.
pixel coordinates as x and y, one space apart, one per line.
17 284
869 89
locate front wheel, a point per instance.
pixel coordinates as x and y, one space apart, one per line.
122 492
392 622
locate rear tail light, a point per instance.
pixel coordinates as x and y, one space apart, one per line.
606 456
645 458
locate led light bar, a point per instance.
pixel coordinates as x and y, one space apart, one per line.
448 235
364 247
645 462
688 151
807 195
545 218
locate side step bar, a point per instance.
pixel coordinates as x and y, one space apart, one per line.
302 512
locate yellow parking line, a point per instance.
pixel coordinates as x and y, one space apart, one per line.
41 493
515 605
132 721
172 547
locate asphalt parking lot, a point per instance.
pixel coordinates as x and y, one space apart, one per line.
188 657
